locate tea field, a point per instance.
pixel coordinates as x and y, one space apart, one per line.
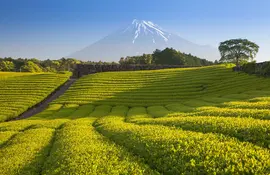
206 120
20 91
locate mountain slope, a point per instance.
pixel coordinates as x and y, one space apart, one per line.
141 37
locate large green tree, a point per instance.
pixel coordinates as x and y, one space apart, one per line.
237 50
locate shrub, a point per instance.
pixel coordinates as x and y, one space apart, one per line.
249 67
266 69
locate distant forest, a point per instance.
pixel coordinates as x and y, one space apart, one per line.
35 65
168 56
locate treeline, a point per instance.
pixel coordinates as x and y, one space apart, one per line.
35 65
168 56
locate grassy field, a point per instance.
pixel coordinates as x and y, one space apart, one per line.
206 120
20 91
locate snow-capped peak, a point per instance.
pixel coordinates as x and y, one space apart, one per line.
143 27
137 38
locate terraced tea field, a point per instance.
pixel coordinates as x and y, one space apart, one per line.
206 120
20 91
163 87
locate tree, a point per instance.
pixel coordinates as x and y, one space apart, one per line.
149 58
122 60
67 64
6 66
31 67
71 62
236 50
139 59
168 56
18 63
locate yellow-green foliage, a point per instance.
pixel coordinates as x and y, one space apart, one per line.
137 112
101 111
49 111
248 105
20 91
206 120
174 151
245 129
163 87
6 135
237 112
79 149
26 152
22 125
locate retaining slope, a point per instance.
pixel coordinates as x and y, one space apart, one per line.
44 104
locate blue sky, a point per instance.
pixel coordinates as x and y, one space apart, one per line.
55 28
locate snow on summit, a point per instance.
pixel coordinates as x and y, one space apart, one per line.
137 38
143 27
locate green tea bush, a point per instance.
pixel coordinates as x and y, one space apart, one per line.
21 91
244 129
157 111
101 111
26 152
206 120
173 151
160 87
6 135
79 149
234 112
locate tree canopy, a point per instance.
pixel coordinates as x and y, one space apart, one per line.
30 66
168 56
36 65
237 50
6 66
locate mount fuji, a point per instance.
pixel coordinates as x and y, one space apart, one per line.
137 38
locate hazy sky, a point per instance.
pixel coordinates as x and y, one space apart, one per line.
55 28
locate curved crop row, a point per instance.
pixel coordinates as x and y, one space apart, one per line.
173 151
26 152
245 129
163 87
20 91
79 149
6 135
234 112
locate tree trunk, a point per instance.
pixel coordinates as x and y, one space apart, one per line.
237 62
237 68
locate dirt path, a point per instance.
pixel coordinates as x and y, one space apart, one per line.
44 104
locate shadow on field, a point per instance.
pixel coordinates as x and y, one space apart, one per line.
185 91
180 92
38 162
174 88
